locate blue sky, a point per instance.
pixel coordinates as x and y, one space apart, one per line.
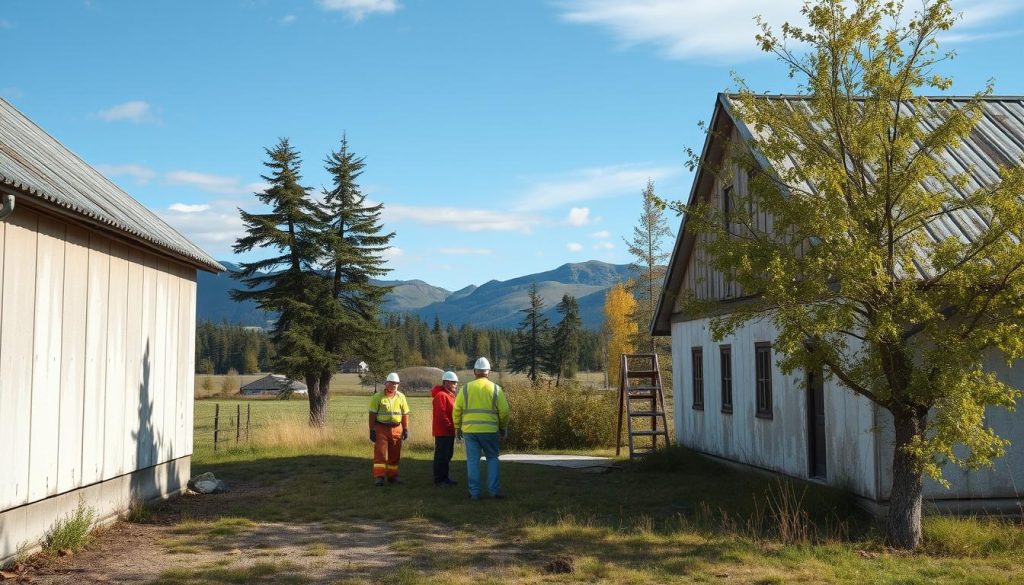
503 138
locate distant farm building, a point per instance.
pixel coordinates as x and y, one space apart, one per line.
273 385
354 366
97 340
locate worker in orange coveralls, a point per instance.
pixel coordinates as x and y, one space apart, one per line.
389 426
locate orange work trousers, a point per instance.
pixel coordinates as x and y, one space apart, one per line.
387 451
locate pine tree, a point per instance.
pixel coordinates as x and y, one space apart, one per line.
565 349
288 284
531 346
648 269
354 246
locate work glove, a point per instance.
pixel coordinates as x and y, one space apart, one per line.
373 435
405 434
458 435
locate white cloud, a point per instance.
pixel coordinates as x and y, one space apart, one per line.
288 19
214 226
574 247
136 111
358 9
601 234
213 183
724 29
141 174
604 246
393 252
594 183
578 216
186 208
467 220
467 251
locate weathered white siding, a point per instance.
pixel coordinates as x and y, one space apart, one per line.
95 356
780 443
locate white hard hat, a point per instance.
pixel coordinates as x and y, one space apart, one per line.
449 377
482 364
393 377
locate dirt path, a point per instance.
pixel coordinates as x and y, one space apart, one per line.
186 540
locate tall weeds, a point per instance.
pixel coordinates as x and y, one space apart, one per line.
569 417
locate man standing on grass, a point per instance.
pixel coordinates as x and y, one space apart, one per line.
480 416
444 428
389 426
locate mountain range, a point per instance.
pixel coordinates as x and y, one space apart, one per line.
494 304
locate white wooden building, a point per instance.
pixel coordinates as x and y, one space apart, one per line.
733 403
97 333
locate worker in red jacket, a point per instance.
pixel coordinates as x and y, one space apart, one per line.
444 428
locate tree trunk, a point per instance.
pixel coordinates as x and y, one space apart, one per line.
318 394
903 524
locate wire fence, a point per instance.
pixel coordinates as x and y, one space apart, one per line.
226 426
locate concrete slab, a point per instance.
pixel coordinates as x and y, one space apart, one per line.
580 462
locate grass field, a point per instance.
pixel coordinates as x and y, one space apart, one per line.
675 518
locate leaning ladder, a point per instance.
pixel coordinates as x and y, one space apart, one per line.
641 404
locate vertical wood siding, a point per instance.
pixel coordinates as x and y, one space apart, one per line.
96 356
779 443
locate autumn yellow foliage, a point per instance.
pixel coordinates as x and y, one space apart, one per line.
619 327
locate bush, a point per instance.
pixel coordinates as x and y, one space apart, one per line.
71 532
230 384
419 378
568 417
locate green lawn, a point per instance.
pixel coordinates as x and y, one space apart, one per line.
677 518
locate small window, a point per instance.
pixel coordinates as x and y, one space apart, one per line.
725 353
727 207
698 378
763 365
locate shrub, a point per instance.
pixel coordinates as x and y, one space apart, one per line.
419 378
230 384
568 417
71 532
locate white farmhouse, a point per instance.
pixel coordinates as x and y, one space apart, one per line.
97 334
733 403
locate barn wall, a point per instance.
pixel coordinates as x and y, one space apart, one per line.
96 356
780 443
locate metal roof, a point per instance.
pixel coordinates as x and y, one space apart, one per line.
274 382
36 164
997 139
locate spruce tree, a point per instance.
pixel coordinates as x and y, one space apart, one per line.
287 283
354 248
531 346
648 270
565 349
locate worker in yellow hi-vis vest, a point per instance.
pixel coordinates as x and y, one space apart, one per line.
389 426
481 418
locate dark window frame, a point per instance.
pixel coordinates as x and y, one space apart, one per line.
725 363
763 379
728 204
697 376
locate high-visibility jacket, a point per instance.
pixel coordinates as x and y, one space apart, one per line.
389 410
480 407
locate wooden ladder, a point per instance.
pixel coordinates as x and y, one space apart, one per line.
641 399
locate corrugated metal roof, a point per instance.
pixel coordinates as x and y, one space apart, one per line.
273 382
998 139
33 162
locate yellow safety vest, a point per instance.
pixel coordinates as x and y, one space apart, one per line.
480 407
389 411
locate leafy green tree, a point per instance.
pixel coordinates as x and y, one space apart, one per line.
564 356
288 283
531 346
853 179
354 244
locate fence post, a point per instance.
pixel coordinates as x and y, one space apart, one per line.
238 423
216 424
248 419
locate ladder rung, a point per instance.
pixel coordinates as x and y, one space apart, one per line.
640 373
646 413
648 433
644 388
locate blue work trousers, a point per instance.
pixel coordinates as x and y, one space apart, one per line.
488 443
